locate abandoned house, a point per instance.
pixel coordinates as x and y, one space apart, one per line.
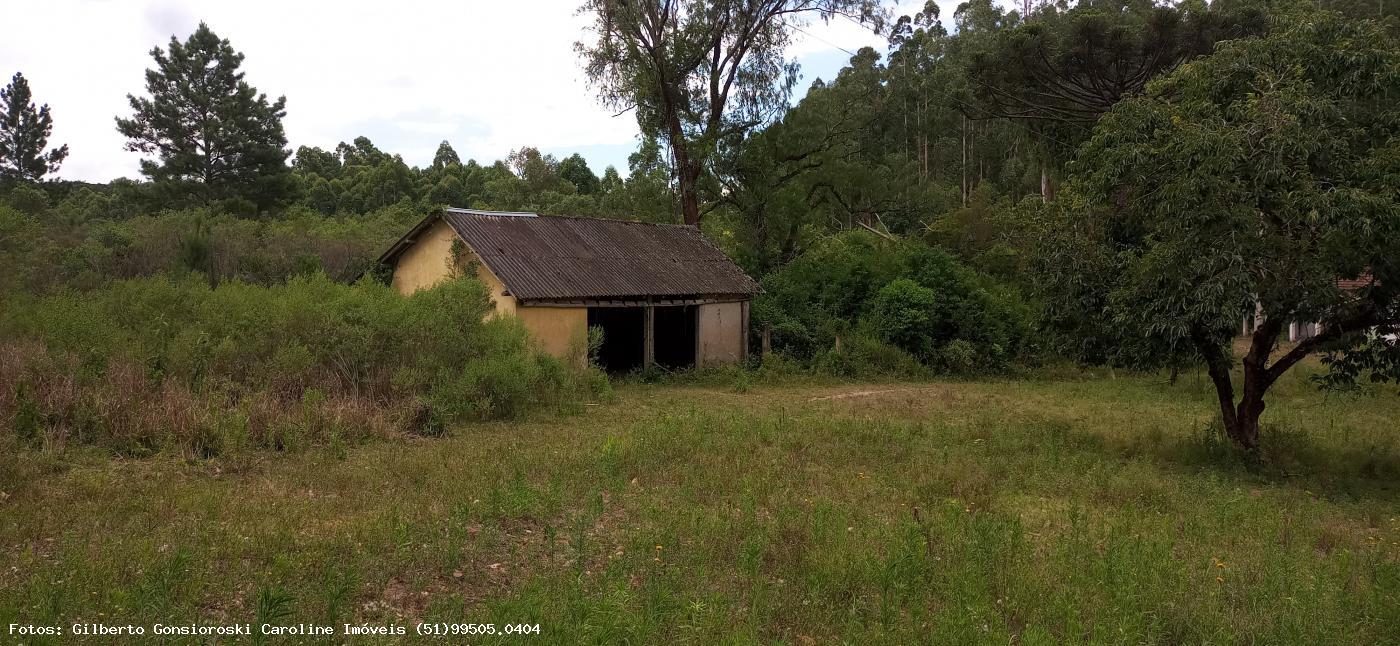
662 294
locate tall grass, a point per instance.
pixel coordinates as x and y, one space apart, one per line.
146 364
969 512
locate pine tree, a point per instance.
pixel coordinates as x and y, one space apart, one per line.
217 140
24 133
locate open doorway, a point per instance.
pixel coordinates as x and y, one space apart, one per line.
674 330
623 336
675 336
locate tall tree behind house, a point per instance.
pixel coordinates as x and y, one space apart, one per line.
700 74
216 140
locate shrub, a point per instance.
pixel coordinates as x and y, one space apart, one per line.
147 364
903 294
902 313
861 357
27 198
959 357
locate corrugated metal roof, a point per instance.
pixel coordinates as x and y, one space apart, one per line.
568 258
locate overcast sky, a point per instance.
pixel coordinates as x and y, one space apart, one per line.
486 75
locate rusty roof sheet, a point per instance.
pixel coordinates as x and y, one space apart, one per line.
570 258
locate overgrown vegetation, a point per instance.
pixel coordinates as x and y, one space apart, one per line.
1108 182
147 365
79 244
1046 511
896 306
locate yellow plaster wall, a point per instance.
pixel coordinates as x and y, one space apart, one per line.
721 334
429 262
559 330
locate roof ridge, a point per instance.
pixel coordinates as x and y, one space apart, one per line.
603 219
562 216
457 210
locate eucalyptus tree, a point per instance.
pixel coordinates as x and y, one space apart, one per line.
1253 181
575 169
700 74
445 156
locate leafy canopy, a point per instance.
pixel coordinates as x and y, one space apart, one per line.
1256 177
699 73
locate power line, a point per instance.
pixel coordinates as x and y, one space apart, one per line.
808 33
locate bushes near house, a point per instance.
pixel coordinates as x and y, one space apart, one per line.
898 307
145 365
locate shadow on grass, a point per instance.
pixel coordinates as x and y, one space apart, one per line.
1364 471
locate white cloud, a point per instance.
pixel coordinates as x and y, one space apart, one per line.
487 76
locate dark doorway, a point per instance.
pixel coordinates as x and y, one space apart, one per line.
675 336
623 331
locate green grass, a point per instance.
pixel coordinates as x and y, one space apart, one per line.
1041 512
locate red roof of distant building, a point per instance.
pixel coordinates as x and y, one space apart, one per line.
1353 284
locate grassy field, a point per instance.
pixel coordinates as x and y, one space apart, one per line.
1048 511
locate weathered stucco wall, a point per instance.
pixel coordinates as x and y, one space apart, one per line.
429 262
559 330
720 334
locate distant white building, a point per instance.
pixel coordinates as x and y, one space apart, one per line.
1299 330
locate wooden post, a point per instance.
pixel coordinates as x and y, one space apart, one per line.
767 340
744 331
648 337
699 335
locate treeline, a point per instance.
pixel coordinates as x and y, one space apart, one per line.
1105 181
210 140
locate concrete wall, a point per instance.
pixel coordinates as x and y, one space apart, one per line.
721 333
429 261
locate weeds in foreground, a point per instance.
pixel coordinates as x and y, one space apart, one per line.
967 512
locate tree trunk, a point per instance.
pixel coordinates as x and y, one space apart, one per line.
963 149
1245 432
688 173
1241 421
690 199
1257 379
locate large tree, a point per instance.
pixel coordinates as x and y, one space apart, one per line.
1058 69
445 156
700 73
24 134
216 139
575 169
1251 182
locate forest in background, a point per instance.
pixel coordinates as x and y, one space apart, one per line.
978 198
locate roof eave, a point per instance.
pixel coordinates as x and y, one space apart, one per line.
408 239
